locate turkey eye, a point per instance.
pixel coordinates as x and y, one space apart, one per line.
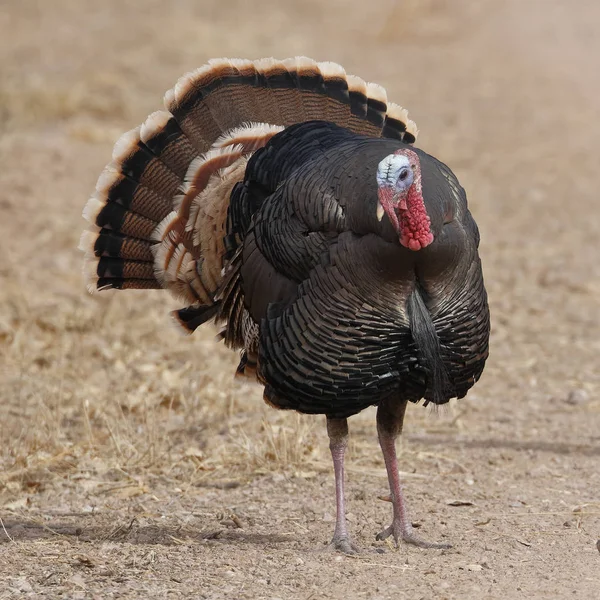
403 175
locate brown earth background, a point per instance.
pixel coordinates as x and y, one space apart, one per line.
132 466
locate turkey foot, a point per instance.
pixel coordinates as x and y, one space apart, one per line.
406 533
343 543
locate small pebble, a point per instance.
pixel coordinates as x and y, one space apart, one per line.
576 397
598 545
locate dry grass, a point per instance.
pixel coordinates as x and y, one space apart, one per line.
94 398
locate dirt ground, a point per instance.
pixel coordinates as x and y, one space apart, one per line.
131 464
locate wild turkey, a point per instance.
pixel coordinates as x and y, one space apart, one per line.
284 200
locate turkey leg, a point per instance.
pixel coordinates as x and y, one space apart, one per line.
390 418
337 429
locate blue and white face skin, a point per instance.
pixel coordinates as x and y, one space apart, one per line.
395 175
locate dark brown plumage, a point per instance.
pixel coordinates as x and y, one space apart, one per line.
284 200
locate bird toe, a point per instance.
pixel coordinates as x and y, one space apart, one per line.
344 545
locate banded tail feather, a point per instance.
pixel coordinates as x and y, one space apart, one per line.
159 214
163 137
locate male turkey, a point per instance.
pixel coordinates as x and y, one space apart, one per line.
284 200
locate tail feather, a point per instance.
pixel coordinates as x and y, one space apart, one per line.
119 274
268 80
162 135
168 235
182 277
336 90
106 242
191 317
396 122
135 160
357 94
114 216
311 88
398 125
229 100
376 106
248 95
283 84
114 187
118 268
187 104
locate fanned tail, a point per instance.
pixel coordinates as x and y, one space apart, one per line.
158 216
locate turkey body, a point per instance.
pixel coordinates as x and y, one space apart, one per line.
330 285
284 200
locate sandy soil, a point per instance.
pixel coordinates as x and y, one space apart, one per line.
131 464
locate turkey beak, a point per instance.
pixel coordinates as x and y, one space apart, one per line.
380 211
400 200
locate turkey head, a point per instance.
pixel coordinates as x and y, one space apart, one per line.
400 197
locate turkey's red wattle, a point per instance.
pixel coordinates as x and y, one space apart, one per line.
408 215
415 231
